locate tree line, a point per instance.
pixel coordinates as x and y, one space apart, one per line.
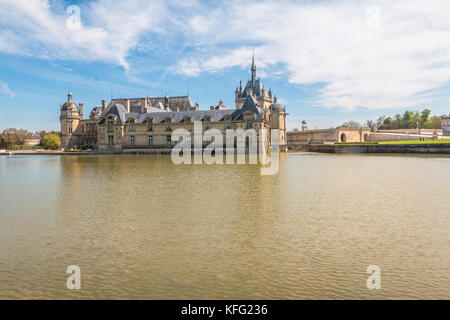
407 120
15 139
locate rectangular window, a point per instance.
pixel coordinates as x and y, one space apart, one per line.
69 112
188 140
132 141
169 140
110 126
69 127
207 123
150 141
150 124
227 123
248 123
131 125
168 122
110 141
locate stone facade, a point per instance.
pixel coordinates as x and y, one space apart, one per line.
121 131
146 124
77 132
326 136
445 123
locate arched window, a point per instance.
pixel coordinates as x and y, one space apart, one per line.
366 137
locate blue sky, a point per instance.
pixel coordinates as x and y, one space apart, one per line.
327 61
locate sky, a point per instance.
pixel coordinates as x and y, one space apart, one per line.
327 61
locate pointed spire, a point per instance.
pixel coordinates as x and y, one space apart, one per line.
253 68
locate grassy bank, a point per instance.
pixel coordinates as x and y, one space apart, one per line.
397 142
416 141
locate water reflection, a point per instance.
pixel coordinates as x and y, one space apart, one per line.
142 227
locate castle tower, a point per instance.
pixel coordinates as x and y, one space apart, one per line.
255 88
278 121
304 127
69 118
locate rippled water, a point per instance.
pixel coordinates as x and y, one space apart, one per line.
142 227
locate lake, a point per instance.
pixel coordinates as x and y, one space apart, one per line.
141 227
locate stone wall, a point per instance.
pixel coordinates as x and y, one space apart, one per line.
327 136
429 148
413 131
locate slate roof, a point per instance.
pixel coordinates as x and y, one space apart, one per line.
250 104
69 105
158 115
256 88
119 111
181 103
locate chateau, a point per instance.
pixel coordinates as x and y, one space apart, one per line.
145 124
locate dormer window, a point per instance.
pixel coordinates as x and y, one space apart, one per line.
168 124
110 125
227 122
132 125
150 125
207 123
248 117
187 120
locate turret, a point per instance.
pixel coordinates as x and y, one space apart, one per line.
304 127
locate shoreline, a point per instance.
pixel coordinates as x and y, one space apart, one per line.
399 149
50 153
429 148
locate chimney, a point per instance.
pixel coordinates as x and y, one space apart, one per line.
81 109
128 105
103 105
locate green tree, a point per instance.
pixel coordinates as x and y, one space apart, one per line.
15 137
408 116
3 143
425 117
435 122
51 141
387 121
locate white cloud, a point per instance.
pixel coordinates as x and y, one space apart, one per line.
108 31
381 54
375 54
4 88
